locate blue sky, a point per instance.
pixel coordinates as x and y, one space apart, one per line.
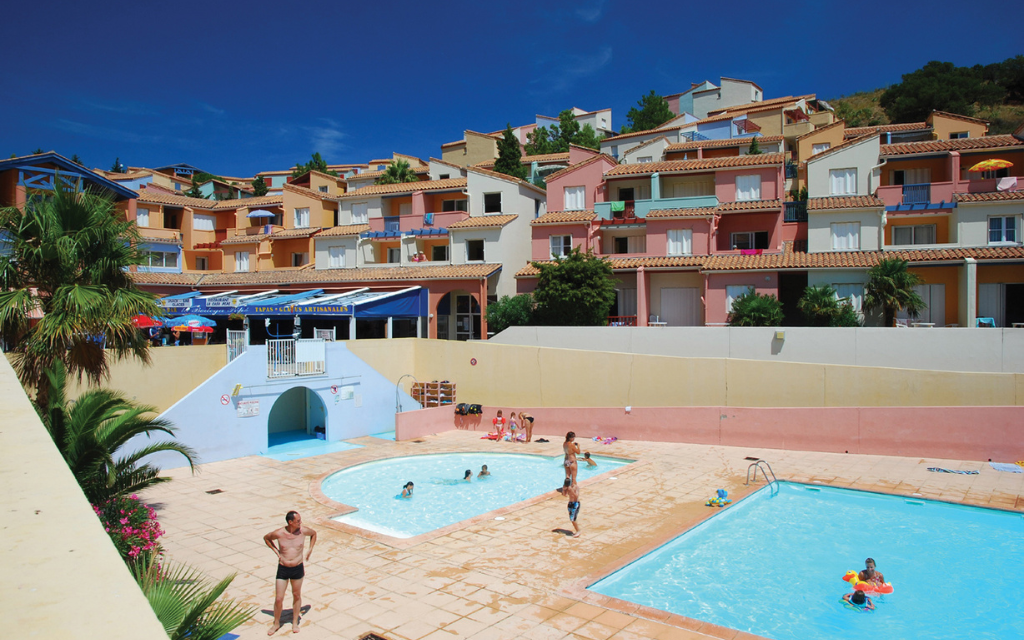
236 88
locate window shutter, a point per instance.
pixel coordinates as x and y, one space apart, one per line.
142 217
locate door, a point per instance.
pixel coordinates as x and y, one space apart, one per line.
467 317
680 306
990 302
934 296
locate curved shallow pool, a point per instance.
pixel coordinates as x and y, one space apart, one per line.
440 498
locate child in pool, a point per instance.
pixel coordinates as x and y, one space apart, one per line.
483 472
469 476
859 600
407 490
586 458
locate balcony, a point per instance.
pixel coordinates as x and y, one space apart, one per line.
641 208
621 321
409 223
795 211
917 197
917 193
153 233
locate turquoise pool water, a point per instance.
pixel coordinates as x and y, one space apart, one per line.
295 445
439 498
772 566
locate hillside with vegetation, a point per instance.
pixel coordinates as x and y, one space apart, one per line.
993 92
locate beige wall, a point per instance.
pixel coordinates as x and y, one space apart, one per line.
943 126
513 376
63 576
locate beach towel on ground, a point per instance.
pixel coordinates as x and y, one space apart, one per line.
964 473
1007 466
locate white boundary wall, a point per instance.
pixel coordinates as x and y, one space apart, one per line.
946 349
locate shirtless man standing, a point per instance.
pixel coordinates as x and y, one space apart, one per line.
290 540
571 490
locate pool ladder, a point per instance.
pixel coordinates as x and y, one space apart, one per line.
765 468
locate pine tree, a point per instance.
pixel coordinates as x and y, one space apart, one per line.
118 167
259 186
653 113
755 148
510 156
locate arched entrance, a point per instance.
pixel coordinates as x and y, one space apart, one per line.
458 316
296 415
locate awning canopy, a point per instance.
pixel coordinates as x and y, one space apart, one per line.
359 303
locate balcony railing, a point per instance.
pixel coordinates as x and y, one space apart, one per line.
642 207
795 212
392 223
287 358
621 321
917 193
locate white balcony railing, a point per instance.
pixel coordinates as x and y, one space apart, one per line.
287 358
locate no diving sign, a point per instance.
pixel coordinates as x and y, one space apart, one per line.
225 399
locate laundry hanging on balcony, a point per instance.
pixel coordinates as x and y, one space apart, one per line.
618 205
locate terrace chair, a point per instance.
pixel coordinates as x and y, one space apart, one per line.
901 323
986 322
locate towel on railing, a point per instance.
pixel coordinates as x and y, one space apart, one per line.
618 205
1006 184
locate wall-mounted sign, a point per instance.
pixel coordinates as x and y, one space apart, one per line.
472 361
248 408
225 399
334 388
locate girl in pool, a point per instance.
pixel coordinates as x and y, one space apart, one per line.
469 476
859 601
407 490
512 426
571 450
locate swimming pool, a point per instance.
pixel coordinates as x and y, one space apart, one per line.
439 499
772 565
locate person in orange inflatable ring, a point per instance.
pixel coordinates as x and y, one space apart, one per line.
869 574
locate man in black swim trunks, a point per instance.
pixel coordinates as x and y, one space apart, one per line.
290 540
571 490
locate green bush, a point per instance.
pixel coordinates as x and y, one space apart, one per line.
755 310
821 307
509 312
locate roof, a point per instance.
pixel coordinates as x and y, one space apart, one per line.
750 205
763 105
160 197
820 129
54 158
856 132
406 187
360 274
701 212
564 217
672 166
483 222
343 230
957 116
991 196
579 165
843 202
959 144
543 157
645 144
721 143
286 234
366 175
245 239
445 162
309 193
855 259
627 263
846 144
506 178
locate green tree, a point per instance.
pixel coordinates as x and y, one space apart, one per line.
510 156
38 151
755 147
186 603
755 310
587 137
316 163
118 167
95 428
538 142
67 256
259 186
194 191
821 307
557 139
77 160
855 117
1008 75
577 290
397 172
508 312
890 288
653 113
938 85
568 130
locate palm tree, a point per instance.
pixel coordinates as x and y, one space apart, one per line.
67 256
90 431
397 172
822 308
891 287
755 310
185 603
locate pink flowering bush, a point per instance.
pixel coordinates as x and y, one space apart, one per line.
132 525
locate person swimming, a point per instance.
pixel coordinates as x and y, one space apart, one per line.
407 490
859 600
469 476
483 472
586 458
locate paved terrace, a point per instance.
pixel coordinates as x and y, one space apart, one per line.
514 578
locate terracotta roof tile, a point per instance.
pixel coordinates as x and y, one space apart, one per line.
506 178
820 129
309 193
563 217
406 187
844 145
245 239
763 105
483 222
143 277
287 234
159 240
751 205
148 196
368 175
673 166
722 143
856 132
360 274
544 157
702 212
628 263
343 230
579 165
843 202
957 116
991 196
959 144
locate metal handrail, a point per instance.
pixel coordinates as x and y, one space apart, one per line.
765 470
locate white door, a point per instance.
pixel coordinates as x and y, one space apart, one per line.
680 306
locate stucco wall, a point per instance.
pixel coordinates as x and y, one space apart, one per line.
972 221
819 228
862 156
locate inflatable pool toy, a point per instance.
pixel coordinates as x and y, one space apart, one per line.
867 587
719 500
493 436
605 440
856 607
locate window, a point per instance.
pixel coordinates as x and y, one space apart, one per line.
241 261
337 257
1002 229
921 175
645 159
203 223
680 242
439 253
299 259
748 188
474 250
959 134
177 186
615 151
360 213
846 236
454 205
322 189
575 199
842 182
444 176
749 240
200 263
854 293
302 218
818 148
492 203
142 217
162 259
560 246
734 291
630 244
394 255
913 234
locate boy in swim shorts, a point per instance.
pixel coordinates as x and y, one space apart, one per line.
572 491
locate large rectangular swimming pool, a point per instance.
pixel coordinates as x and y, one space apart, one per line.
773 565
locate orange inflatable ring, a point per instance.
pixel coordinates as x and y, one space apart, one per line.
867 587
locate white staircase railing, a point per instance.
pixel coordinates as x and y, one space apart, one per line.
286 358
238 343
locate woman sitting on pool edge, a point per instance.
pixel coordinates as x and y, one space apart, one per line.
859 601
407 490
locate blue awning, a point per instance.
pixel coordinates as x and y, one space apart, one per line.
380 234
922 206
178 300
361 303
429 232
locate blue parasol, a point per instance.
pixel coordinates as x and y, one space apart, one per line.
260 213
191 323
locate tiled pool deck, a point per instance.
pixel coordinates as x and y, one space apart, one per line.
513 578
